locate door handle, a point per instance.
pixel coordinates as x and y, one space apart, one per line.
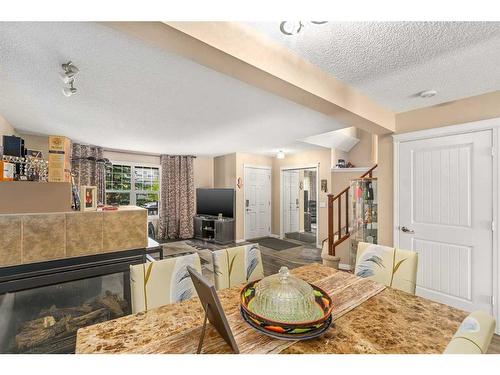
406 230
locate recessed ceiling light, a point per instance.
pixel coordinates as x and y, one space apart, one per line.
427 93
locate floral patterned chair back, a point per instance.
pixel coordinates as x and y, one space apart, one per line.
395 268
162 282
473 336
237 265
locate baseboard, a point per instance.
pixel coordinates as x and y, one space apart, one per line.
239 241
345 267
274 235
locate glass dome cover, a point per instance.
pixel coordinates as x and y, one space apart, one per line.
284 298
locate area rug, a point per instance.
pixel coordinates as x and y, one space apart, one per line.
274 243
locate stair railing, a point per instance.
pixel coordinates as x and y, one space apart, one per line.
342 232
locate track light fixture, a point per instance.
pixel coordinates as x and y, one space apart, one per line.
68 77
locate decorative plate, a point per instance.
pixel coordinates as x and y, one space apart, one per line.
293 334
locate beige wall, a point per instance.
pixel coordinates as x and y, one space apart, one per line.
471 109
225 171
363 153
203 172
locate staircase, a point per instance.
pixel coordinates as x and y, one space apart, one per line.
335 238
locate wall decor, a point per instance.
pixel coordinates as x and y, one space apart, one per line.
88 198
239 183
324 185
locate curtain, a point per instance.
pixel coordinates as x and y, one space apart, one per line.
88 171
177 197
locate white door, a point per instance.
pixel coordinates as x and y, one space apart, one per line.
445 215
291 191
257 186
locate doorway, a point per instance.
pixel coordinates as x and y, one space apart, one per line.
299 197
257 198
444 197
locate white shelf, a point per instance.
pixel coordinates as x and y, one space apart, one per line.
350 170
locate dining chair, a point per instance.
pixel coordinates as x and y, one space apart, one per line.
395 268
159 283
473 336
236 265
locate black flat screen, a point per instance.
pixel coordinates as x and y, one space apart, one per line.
214 202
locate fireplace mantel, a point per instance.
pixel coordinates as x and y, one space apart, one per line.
30 238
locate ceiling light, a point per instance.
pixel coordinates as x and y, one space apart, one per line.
69 91
70 71
295 27
280 155
427 93
68 77
291 27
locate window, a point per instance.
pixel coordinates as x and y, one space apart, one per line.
133 184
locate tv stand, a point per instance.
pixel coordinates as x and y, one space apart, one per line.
212 229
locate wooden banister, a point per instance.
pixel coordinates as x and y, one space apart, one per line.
341 235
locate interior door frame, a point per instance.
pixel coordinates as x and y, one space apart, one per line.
294 167
270 169
470 127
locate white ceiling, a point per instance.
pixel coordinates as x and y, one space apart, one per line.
392 61
132 96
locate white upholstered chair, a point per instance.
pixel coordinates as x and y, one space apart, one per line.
159 283
473 336
237 265
395 268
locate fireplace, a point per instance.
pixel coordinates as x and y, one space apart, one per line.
42 305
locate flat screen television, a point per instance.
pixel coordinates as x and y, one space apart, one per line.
212 202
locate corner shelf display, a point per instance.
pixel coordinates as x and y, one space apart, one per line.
364 222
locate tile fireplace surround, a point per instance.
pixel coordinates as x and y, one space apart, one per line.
28 238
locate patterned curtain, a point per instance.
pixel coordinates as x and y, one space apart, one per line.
88 172
177 197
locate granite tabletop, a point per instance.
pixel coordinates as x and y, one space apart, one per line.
389 322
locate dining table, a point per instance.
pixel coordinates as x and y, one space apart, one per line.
367 318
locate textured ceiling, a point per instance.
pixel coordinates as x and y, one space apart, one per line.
391 62
132 96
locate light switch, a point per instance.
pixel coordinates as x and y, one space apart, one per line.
322 204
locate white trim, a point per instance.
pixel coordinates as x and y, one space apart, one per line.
239 241
256 167
318 186
344 267
304 166
350 170
470 127
245 166
448 130
274 235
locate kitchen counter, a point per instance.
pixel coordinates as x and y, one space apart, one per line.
389 322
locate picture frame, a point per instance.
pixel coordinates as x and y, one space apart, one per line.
88 198
214 312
